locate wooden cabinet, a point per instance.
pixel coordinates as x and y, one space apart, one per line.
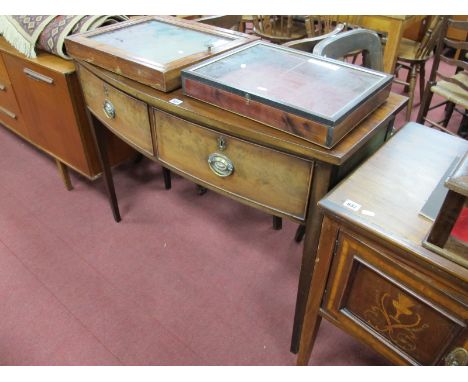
41 100
373 278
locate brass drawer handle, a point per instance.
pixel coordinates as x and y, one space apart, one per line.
38 76
220 164
8 112
2 87
457 357
109 109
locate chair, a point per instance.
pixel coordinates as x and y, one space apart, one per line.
452 88
278 29
413 55
343 44
307 44
224 21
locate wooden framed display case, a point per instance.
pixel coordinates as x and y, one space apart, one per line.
317 99
153 49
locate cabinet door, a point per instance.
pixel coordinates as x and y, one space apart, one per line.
390 306
45 101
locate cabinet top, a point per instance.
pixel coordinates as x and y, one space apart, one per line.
46 60
385 195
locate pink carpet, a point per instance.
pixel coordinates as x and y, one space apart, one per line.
182 280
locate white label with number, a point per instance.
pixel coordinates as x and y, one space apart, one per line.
176 101
352 205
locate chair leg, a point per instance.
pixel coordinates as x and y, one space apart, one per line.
448 113
425 103
408 79
422 80
412 85
277 223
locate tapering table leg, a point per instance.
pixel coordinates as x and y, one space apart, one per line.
101 145
320 185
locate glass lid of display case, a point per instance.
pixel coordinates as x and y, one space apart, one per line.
296 80
160 42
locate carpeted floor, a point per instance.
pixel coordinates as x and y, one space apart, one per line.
182 280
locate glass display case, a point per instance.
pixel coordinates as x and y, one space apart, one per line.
315 98
153 49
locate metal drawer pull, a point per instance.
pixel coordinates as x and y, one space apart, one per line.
2 87
38 76
220 164
457 357
7 112
109 109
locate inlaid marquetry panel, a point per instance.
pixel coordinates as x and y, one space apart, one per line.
387 306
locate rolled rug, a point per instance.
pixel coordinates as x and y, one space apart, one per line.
23 31
48 32
53 36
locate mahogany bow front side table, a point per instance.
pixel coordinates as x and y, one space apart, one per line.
274 172
128 73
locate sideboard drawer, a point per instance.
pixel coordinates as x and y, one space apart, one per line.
253 173
8 98
12 118
389 303
126 116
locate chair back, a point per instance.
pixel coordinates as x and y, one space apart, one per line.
324 24
222 21
364 40
460 66
430 38
278 29
308 44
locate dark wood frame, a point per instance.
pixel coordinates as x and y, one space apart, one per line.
320 129
165 77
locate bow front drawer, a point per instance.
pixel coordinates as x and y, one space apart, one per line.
126 116
275 181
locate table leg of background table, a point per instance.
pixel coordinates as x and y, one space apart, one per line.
394 34
320 184
101 145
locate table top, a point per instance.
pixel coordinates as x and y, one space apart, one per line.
392 186
242 127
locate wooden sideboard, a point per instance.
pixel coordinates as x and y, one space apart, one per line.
274 171
373 278
41 101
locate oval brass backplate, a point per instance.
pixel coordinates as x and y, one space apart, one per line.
220 164
457 357
109 109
